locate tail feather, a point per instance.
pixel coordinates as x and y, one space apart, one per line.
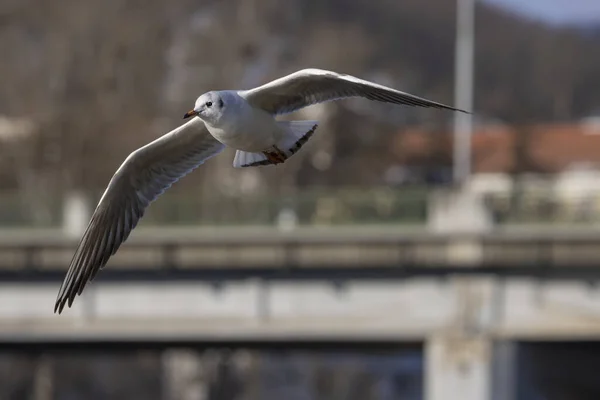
297 134
246 159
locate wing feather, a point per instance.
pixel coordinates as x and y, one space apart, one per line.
144 176
312 86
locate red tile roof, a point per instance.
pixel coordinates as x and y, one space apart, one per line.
545 148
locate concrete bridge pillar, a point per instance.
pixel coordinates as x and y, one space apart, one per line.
458 368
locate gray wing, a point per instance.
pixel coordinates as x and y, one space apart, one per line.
144 175
312 86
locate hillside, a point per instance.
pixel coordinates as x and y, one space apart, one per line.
106 77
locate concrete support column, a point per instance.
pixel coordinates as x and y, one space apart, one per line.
458 211
76 214
458 368
42 379
184 376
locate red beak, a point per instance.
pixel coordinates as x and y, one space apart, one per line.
190 113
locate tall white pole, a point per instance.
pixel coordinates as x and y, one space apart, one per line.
463 90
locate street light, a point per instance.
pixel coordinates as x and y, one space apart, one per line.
463 89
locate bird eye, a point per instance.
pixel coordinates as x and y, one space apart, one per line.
209 103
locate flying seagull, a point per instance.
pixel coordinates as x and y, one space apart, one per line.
241 119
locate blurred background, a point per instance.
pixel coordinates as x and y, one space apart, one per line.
402 254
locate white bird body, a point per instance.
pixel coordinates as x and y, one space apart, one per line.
243 120
244 127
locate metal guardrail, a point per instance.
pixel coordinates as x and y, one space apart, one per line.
194 249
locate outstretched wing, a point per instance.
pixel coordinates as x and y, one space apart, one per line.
144 175
312 86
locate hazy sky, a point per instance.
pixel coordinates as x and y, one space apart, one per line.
556 11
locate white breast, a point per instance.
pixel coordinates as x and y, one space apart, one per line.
245 128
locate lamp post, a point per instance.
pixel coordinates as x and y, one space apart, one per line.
463 89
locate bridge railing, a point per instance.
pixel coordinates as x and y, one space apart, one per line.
238 248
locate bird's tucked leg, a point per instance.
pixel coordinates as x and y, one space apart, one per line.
275 155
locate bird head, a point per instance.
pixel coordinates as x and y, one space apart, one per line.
208 107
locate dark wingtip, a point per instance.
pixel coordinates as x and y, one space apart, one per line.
61 302
58 306
457 110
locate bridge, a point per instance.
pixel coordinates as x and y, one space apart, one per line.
462 297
